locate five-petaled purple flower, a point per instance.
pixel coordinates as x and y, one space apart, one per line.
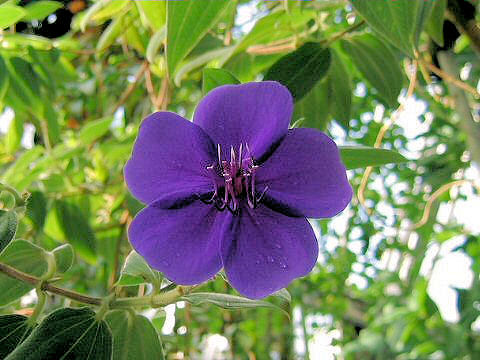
233 189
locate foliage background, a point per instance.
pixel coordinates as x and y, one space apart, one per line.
72 95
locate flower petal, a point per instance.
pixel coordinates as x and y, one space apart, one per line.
182 243
255 113
305 176
169 159
263 251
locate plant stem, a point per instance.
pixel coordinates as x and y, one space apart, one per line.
161 299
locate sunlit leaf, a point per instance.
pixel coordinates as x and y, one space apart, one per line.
39 10
187 23
355 157
213 78
10 14
93 130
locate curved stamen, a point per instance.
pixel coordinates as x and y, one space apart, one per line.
238 178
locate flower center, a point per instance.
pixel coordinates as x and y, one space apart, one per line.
238 180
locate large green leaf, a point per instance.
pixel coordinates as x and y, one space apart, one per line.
8 227
213 78
301 69
187 23
25 257
13 330
134 337
67 334
10 14
399 21
377 64
339 91
313 110
355 157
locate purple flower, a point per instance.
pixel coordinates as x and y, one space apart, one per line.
233 189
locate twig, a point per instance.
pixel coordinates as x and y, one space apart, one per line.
342 33
428 206
131 87
449 78
271 49
154 99
161 299
19 275
383 131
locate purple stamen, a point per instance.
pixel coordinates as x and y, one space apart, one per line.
239 180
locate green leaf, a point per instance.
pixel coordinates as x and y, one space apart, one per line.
16 171
24 83
63 257
355 157
14 134
37 208
201 60
284 295
377 64
10 15
136 271
134 337
67 333
13 330
213 78
111 33
3 79
187 23
21 41
301 69
312 110
399 21
154 13
109 9
434 26
26 257
226 301
39 10
8 227
94 130
339 91
275 26
75 229
154 44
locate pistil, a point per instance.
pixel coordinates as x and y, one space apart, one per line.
238 180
